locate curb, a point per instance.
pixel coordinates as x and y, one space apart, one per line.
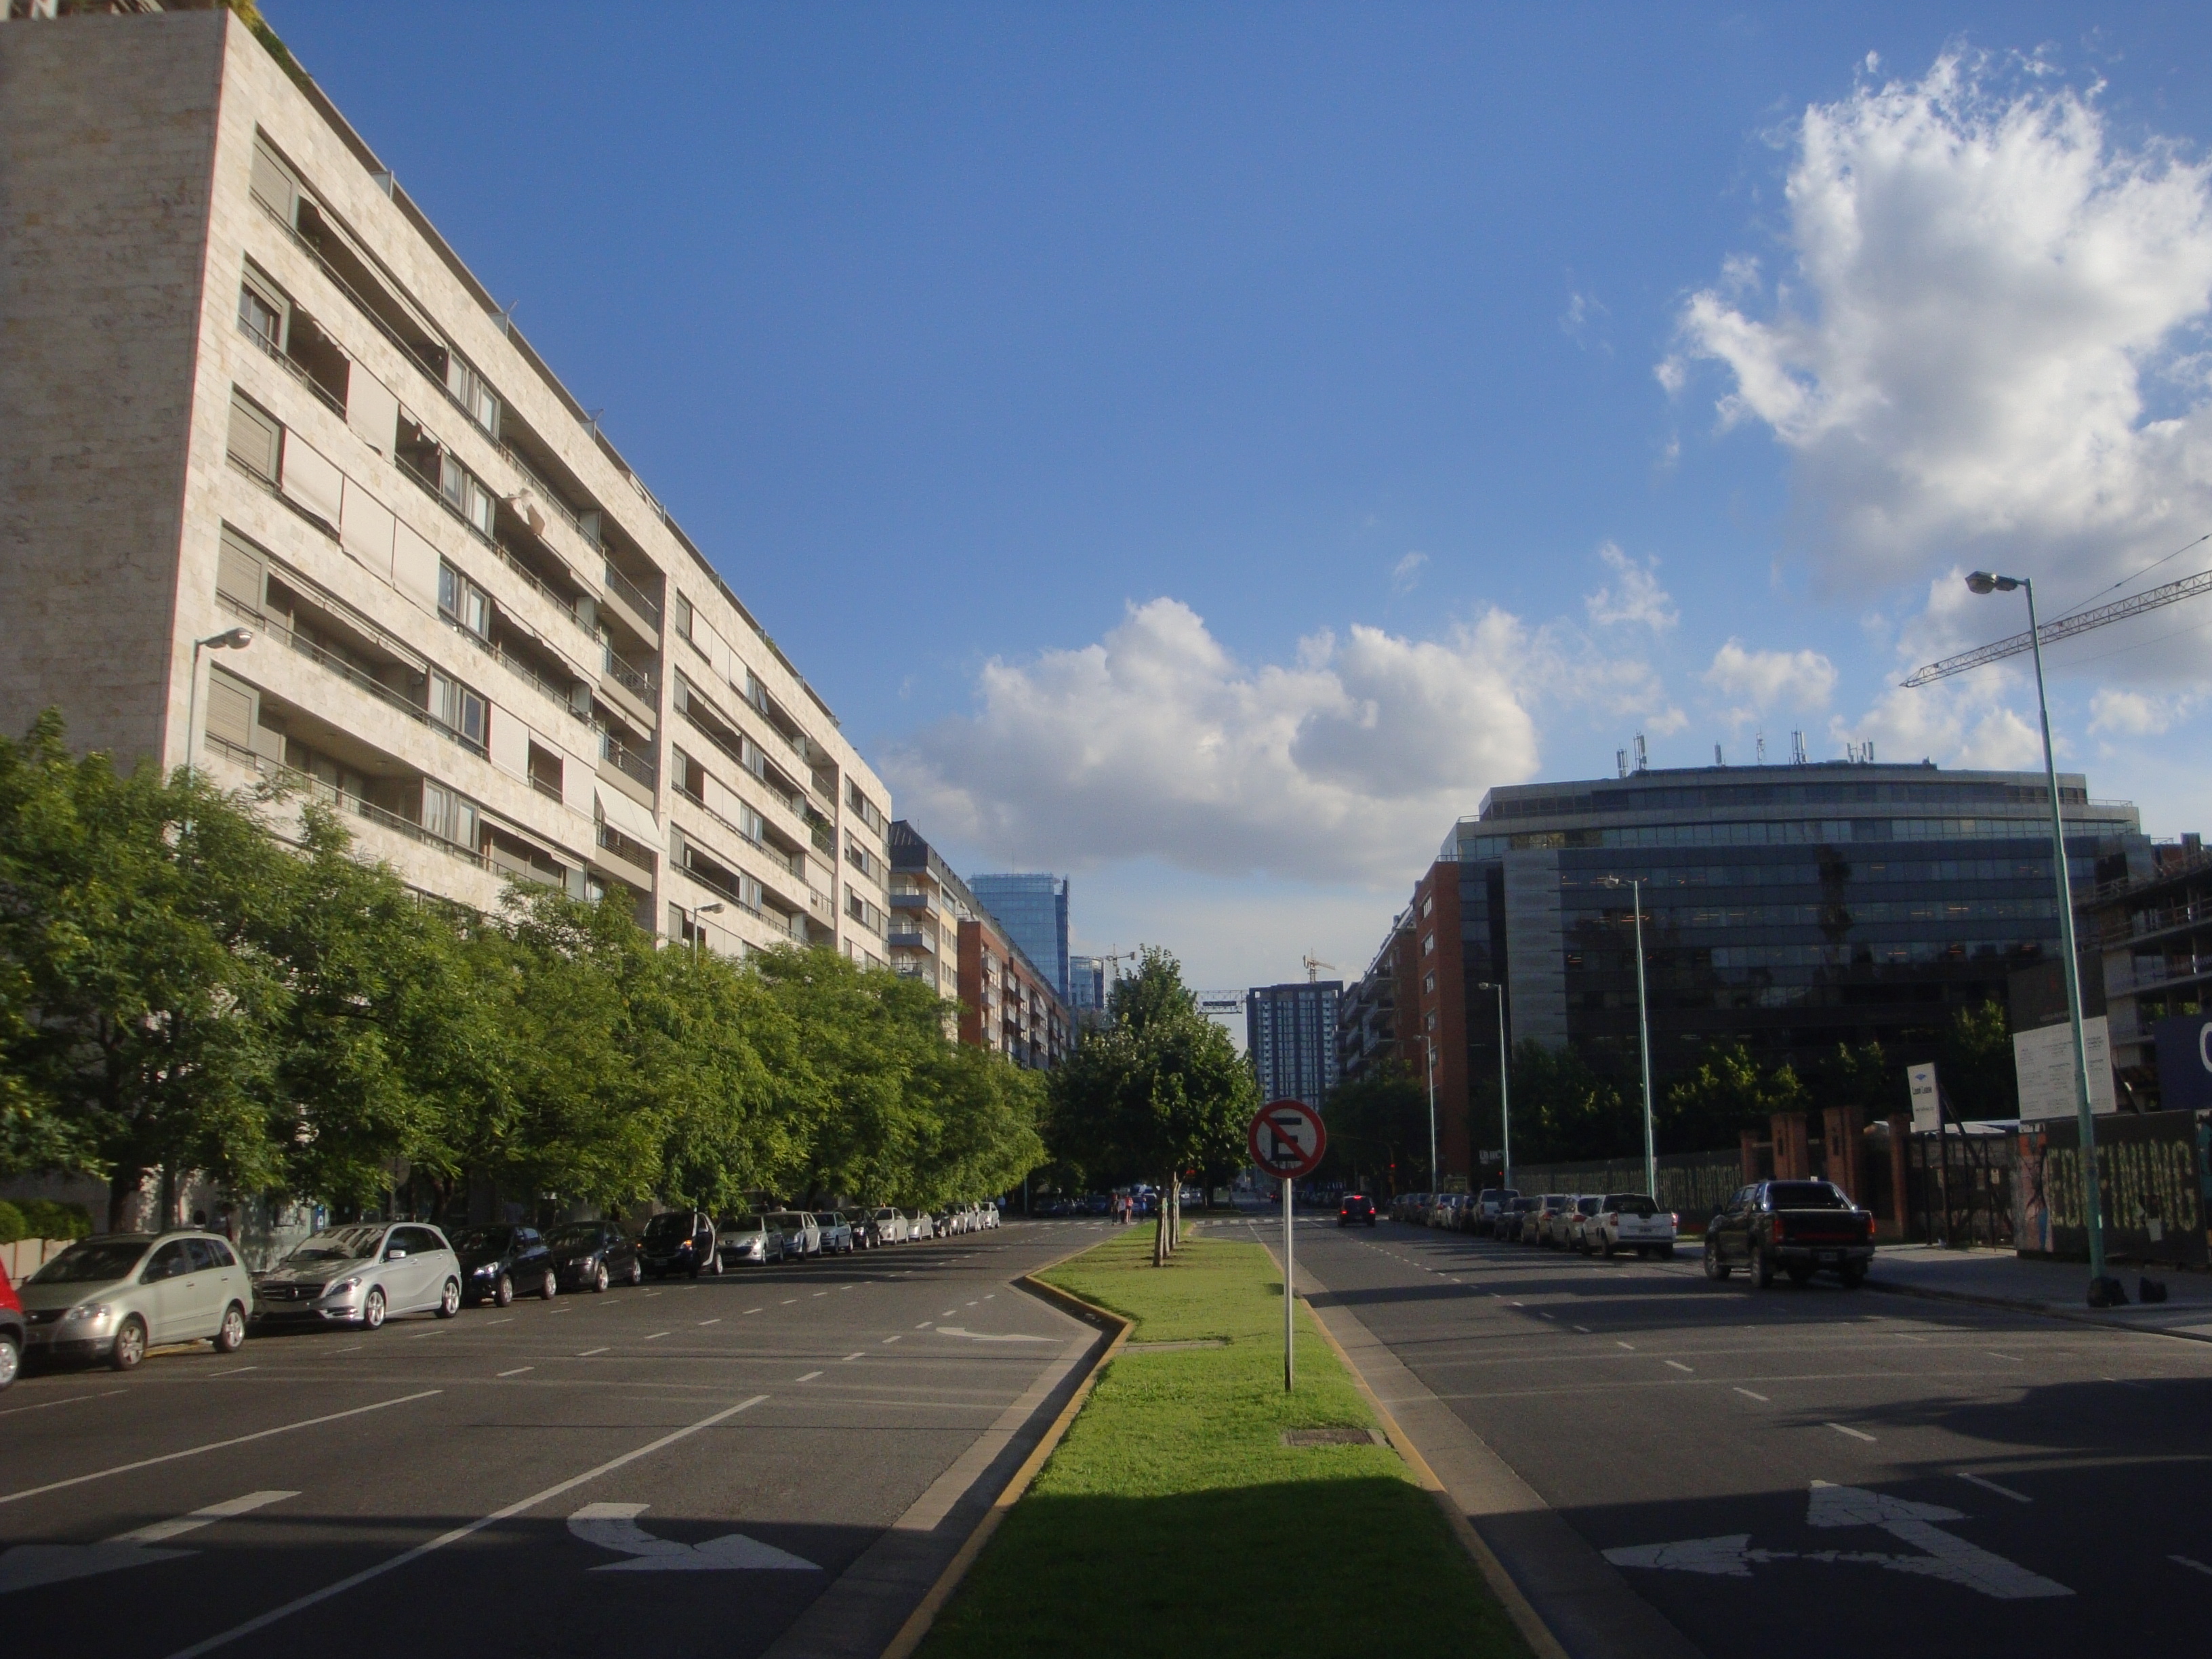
2042 1309
1526 1619
918 1622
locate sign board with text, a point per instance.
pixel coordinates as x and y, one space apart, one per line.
1926 1115
2043 1060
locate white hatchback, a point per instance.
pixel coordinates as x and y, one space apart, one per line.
114 1297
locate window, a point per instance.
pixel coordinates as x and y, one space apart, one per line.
860 804
466 493
463 602
256 439
545 771
461 711
1428 944
448 815
1428 905
684 616
472 392
690 777
262 312
1429 983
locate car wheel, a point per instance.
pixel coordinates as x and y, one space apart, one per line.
230 1335
503 1294
549 1288
599 1277
1607 1248
10 1361
130 1344
372 1309
1762 1269
449 1300
1715 1268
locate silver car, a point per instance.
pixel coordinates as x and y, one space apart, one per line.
801 1237
114 1296
746 1239
361 1275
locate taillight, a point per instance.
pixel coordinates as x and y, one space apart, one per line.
1673 1221
1869 1229
1781 1230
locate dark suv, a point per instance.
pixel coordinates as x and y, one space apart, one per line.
1801 1227
680 1242
593 1254
498 1262
1356 1206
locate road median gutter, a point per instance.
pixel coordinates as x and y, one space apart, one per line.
1181 1485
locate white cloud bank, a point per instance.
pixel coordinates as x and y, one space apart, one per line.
1765 682
1632 597
1349 764
1989 341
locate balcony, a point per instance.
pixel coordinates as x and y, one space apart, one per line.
637 767
289 779
274 626
910 938
630 594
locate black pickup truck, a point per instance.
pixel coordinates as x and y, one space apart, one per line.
1795 1227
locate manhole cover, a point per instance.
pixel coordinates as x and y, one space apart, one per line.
1333 1438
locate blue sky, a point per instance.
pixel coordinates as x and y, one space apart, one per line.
1201 449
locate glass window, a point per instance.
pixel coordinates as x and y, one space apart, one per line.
473 393
463 601
261 315
203 1254
171 1260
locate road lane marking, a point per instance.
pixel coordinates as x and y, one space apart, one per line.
850 1358
793 1303
2014 1357
29 1565
216 1445
820 1294
75 1400
518 1370
560 1311
2195 1566
1750 1394
750 1311
1680 1366
614 1526
888 1341
1631 1347
948 1313
355 1348
1991 1486
1854 1434
716 1320
1585 1329
507 1320
161 1531
434 1330
233 1371
809 1377
314 1597
656 1336
588 1352
924 1324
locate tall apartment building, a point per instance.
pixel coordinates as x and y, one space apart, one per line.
1033 908
1367 1013
1789 908
1289 1035
942 933
248 385
1087 985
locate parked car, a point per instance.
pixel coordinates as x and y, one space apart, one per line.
11 1331
991 1214
1629 1221
1488 1204
679 1241
1574 1221
1355 1207
115 1295
1799 1227
1440 1212
1513 1220
361 1275
497 1260
920 1225
593 1254
796 1234
742 1239
1537 1229
882 1226
836 1232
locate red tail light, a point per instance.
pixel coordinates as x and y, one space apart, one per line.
1869 1226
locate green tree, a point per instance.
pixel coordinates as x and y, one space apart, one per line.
1563 1109
1725 1093
1975 1065
1378 1127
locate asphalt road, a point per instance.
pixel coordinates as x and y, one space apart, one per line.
1824 1473
708 1465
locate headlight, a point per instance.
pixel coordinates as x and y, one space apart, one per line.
89 1313
486 1271
343 1287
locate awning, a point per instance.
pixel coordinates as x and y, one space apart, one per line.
626 815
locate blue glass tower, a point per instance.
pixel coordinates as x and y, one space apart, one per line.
1033 908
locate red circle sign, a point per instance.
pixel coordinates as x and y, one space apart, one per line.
1286 1138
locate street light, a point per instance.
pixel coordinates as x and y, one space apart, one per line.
698 934
231 639
1504 1100
1430 1049
1635 886
2103 1292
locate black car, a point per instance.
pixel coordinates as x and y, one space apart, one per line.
680 1242
1799 1227
1356 1206
593 1254
497 1262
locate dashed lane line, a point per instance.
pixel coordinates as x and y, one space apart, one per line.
518 1370
1856 1434
1753 1393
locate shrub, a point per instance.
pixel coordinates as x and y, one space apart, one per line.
46 1217
13 1226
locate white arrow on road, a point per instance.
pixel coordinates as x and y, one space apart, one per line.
28 1565
614 1526
1945 1557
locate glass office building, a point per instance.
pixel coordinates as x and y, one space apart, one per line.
1033 909
1789 908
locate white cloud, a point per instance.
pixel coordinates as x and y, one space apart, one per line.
1349 764
1985 333
1406 574
2114 712
1763 682
1634 596
1585 313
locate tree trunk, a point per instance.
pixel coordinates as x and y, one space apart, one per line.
123 1188
1160 1237
1174 1212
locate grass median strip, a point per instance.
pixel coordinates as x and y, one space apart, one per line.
1174 1503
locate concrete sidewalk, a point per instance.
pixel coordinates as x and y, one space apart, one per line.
2060 1289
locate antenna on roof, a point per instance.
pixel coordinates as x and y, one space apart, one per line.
1762 747
1620 762
1717 761
1797 748
1643 759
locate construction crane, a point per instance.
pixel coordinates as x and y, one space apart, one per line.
2066 628
1314 965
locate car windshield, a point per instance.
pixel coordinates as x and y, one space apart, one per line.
886 1215
483 1240
1806 1196
1589 1206
585 1233
1523 1206
675 1224
1554 1201
92 1261
743 1223
339 1244
1631 1204
785 1219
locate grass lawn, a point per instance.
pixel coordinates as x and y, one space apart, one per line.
1173 1510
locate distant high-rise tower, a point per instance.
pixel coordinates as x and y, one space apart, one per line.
1291 1036
1033 908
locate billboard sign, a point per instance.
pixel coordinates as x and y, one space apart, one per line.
2184 1062
1926 1118
2043 1060
2151 1194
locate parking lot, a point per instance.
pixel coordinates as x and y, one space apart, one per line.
787 1453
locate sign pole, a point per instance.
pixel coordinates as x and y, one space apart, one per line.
1289 1273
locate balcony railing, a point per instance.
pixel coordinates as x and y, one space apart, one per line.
330 399
633 595
628 761
628 674
290 777
559 602
545 493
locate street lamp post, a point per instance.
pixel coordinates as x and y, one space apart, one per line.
698 934
231 639
1504 1098
2103 1292
1429 1048
1635 886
